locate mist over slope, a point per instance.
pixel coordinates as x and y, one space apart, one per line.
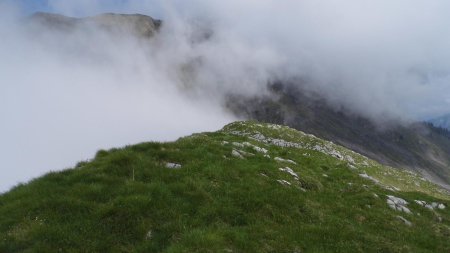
94 87
71 85
70 89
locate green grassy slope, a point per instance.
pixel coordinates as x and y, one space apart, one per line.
247 188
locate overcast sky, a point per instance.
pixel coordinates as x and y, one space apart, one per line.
60 102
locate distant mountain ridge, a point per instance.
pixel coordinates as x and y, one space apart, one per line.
443 121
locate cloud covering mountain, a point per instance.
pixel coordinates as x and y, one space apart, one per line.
89 89
381 57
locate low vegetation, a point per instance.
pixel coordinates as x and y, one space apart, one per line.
247 188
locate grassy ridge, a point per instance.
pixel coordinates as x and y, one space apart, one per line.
127 200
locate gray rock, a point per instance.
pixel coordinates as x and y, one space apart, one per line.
364 175
173 166
149 235
398 204
283 182
278 159
236 153
407 222
289 171
430 206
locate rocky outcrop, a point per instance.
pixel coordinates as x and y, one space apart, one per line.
398 204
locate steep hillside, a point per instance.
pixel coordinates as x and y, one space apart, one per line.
418 147
246 188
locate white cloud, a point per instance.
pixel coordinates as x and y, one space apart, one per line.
63 97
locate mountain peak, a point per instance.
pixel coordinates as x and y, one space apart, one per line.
138 24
